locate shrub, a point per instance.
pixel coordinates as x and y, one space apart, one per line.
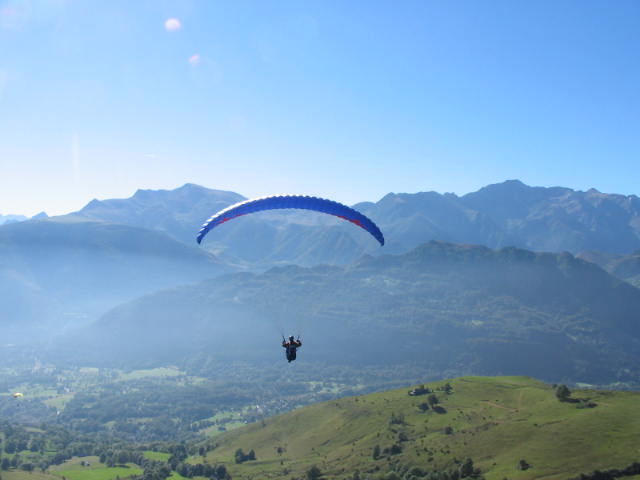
563 393
523 465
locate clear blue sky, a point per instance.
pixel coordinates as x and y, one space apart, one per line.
344 99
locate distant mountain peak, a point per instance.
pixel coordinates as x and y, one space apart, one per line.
509 186
192 186
11 218
143 193
514 182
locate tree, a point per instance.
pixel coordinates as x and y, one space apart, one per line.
221 473
424 406
432 400
395 449
466 469
376 452
314 473
397 419
123 457
239 456
415 472
563 393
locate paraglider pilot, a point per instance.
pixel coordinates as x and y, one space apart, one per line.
291 346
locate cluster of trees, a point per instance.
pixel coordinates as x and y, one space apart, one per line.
111 457
156 470
242 457
21 440
394 449
159 470
214 472
630 471
422 390
17 461
464 469
432 401
446 388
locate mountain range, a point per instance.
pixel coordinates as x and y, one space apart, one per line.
505 214
92 266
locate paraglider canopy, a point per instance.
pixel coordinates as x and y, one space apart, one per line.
292 201
17 395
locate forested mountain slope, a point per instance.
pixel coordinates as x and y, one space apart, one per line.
455 308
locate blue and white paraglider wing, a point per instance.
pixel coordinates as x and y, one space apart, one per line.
291 201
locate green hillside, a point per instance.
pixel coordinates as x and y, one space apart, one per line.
495 421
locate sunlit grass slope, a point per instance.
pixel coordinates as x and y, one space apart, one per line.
495 421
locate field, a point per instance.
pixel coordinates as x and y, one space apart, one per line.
497 422
157 455
22 475
156 372
74 470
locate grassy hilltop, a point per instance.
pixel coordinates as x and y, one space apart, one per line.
495 421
